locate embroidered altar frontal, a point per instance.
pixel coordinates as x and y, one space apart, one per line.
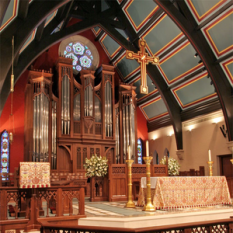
34 175
182 192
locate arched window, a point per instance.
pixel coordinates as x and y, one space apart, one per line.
83 52
155 158
81 55
5 152
139 150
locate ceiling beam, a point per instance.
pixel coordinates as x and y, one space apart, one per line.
36 48
169 100
21 29
23 9
40 30
197 39
3 7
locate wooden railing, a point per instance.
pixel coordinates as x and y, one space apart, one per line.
15 202
117 175
216 226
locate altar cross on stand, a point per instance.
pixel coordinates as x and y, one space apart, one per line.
143 58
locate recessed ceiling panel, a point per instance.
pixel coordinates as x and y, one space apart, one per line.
179 63
50 17
158 39
10 14
219 33
139 11
154 109
151 87
110 46
203 9
126 67
194 91
122 32
104 5
96 30
228 69
28 41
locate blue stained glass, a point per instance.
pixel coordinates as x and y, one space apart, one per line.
76 52
78 68
139 150
5 152
88 52
85 61
68 48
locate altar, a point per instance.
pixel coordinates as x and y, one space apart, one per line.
183 192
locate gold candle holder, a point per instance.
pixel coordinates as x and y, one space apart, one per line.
148 206
210 163
130 203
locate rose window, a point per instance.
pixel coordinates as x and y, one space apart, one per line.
81 55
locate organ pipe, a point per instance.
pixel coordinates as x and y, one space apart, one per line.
108 109
54 133
40 128
65 114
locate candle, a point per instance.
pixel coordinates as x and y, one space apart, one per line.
129 156
147 148
209 152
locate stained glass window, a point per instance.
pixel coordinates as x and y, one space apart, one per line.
81 55
5 152
139 150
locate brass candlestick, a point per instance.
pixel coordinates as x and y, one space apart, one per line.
210 163
148 206
130 203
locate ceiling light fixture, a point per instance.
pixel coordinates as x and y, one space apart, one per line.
196 54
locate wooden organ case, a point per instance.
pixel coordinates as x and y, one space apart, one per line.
78 123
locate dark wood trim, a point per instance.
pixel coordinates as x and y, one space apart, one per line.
161 122
23 8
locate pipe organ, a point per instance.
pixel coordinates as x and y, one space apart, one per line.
37 116
78 117
125 126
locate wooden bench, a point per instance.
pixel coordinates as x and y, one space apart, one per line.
193 172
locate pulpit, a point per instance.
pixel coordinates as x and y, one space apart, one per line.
99 188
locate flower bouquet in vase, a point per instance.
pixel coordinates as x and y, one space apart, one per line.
173 166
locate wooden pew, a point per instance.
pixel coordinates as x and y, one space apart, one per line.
193 172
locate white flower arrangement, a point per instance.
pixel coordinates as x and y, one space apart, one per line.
173 166
96 166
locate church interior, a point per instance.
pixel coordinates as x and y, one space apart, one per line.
116 116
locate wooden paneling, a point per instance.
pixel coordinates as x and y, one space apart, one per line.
63 160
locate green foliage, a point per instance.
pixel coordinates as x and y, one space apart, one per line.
96 166
173 166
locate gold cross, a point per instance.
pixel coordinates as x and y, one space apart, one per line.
142 58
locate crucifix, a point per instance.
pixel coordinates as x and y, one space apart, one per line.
142 58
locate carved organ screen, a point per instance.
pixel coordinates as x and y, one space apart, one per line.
38 98
79 118
125 127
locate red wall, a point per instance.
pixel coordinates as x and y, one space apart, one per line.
17 147
45 61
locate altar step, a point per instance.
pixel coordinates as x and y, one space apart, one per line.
107 214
